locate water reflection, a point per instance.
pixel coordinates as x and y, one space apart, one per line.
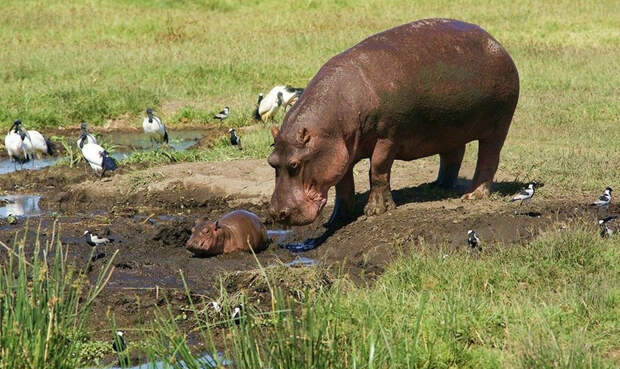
20 205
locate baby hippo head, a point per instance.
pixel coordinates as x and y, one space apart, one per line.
206 238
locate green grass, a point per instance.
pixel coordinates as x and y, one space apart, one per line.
44 306
552 303
95 61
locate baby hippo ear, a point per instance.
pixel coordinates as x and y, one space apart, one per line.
216 225
275 131
303 136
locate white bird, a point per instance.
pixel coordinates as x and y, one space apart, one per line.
472 239
98 158
269 106
14 144
604 200
223 114
290 95
37 144
526 194
153 126
85 137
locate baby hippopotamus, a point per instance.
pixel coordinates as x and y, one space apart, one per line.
235 231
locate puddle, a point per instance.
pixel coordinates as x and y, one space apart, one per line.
7 166
127 142
205 361
302 261
284 239
20 205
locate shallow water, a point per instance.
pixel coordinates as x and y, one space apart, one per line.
20 205
206 361
129 142
7 166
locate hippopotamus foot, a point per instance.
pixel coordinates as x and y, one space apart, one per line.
449 166
481 192
379 202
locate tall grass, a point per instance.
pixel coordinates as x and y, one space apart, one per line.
44 305
552 303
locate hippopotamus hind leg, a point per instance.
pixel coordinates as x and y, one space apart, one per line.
380 199
449 166
489 149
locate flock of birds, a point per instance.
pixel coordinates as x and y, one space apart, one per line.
27 145
528 192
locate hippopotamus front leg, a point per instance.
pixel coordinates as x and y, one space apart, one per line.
380 198
345 200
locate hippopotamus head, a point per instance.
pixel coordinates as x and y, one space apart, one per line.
206 238
307 160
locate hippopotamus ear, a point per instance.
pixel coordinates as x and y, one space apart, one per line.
303 136
216 225
275 131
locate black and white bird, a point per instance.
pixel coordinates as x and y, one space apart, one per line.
223 114
473 240
526 194
215 306
277 97
98 158
604 200
154 127
256 115
14 144
85 137
94 240
119 344
236 315
604 224
290 95
235 140
38 145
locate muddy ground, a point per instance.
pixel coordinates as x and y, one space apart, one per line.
149 213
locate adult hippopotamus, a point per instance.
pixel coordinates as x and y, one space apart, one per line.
423 88
235 231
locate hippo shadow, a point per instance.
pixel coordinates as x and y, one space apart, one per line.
426 192
422 193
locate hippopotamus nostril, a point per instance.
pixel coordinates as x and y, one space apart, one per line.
284 214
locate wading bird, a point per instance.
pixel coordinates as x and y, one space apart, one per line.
98 158
38 144
235 140
223 114
85 137
154 128
14 144
268 108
